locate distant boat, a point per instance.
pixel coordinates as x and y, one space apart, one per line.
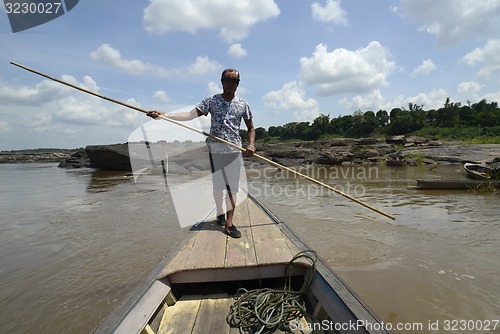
395 159
481 172
456 184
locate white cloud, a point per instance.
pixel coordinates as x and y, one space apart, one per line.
426 67
213 88
371 101
331 12
4 126
81 109
42 92
306 115
39 120
110 56
77 108
292 97
161 96
344 71
236 51
488 56
469 90
50 107
88 110
454 20
431 100
127 116
232 18
375 101
495 96
203 65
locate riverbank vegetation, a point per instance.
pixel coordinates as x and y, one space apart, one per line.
475 123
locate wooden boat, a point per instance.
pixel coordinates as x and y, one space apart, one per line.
193 288
456 184
481 172
395 159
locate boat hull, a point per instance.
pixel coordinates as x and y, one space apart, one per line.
481 172
456 184
211 278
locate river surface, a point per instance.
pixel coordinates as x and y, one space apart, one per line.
73 242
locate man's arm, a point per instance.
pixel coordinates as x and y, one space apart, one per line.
251 138
177 116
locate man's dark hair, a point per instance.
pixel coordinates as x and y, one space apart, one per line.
229 70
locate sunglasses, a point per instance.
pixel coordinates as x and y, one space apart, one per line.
231 80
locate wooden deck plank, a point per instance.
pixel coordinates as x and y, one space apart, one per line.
240 252
178 263
212 314
269 242
209 248
181 317
262 243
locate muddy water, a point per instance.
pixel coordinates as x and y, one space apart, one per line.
437 263
72 243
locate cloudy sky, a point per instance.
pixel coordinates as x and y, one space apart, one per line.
297 59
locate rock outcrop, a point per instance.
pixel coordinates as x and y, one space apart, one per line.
331 152
109 157
177 157
78 159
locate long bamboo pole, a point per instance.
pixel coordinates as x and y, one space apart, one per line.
275 164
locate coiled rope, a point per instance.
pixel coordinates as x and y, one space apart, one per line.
266 310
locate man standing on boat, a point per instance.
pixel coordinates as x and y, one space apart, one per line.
226 112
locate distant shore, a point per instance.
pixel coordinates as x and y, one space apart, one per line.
36 155
353 151
332 152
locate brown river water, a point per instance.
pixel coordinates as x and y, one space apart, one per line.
73 242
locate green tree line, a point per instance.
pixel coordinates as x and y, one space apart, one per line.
478 121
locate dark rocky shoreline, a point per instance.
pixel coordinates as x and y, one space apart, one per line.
186 157
27 156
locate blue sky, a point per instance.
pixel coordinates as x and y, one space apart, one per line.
297 59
